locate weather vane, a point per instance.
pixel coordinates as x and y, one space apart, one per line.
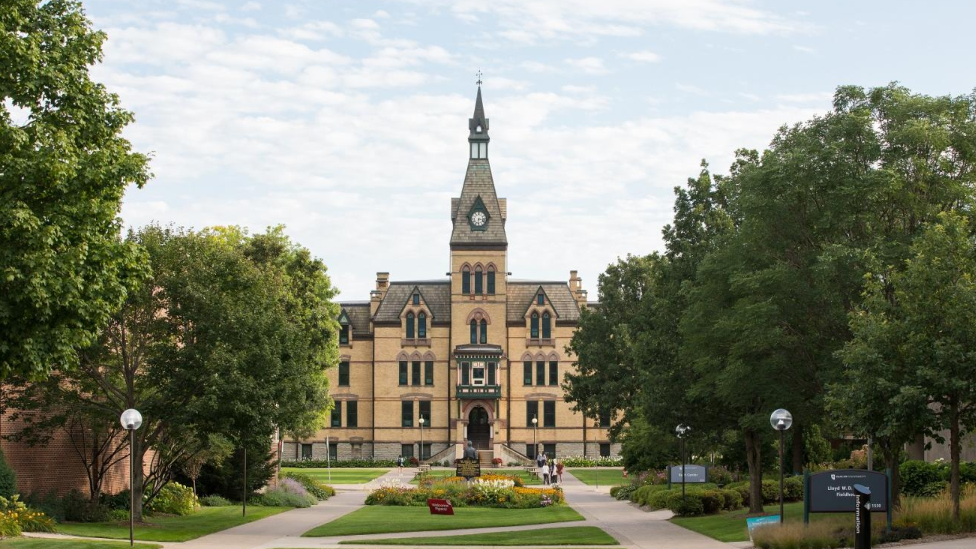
479 77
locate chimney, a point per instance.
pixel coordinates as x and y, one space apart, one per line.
576 287
377 295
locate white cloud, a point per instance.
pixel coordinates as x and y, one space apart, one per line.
589 65
251 6
692 89
804 49
643 56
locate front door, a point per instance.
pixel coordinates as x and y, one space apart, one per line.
478 428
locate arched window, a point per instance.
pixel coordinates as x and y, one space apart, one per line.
474 331
535 326
466 281
478 282
546 326
422 325
491 280
484 331
409 325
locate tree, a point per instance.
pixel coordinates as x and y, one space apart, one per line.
214 451
63 169
216 341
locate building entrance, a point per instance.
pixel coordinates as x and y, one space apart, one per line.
479 429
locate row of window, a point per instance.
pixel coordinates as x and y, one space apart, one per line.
406 413
406 450
475 332
540 372
550 450
478 373
481 281
421 326
548 413
352 414
546 325
413 372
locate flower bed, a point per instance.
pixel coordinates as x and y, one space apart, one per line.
499 491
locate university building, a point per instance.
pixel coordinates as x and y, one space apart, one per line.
473 356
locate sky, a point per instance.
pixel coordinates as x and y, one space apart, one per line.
346 121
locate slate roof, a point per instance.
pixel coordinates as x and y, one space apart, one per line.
435 293
358 313
521 294
478 183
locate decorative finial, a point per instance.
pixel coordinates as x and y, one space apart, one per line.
479 78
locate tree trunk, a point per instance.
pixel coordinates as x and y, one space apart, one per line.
136 455
954 456
891 463
797 449
754 460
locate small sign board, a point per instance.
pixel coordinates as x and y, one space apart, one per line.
833 491
756 522
692 474
440 506
468 468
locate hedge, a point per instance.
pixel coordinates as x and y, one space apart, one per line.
321 463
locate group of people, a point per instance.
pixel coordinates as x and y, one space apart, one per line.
551 470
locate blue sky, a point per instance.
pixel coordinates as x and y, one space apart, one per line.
347 121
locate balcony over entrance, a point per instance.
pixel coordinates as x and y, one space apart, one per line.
479 391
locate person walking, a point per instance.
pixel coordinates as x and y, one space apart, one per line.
399 466
545 473
552 471
559 471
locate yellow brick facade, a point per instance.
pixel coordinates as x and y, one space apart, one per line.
460 349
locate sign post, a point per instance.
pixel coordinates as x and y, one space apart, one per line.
688 473
468 468
440 506
836 491
862 517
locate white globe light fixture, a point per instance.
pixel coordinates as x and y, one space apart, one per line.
781 420
131 420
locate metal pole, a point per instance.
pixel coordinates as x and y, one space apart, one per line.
132 483
870 455
683 460
244 488
328 456
421 443
781 431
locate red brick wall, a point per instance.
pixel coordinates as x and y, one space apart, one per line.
55 466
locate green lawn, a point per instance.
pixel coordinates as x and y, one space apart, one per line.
46 543
603 477
380 519
571 535
340 475
731 526
205 521
529 479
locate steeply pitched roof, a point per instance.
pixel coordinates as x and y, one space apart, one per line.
523 292
435 293
478 183
358 313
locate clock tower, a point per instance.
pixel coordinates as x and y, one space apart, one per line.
479 248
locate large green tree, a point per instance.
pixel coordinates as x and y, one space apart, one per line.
63 169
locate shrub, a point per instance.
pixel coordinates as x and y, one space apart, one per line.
689 505
916 475
8 480
816 535
50 504
289 493
118 515
733 500
580 461
933 489
116 501
32 521
215 501
78 508
719 475
9 527
312 486
712 501
792 488
934 515
174 499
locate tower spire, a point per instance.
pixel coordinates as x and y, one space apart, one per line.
478 127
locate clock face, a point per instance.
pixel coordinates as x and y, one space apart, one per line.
479 219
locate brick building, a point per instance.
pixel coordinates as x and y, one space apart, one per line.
477 355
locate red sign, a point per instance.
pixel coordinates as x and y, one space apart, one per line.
440 506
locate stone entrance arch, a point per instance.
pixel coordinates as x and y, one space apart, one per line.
479 428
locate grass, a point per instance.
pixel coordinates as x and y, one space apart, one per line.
606 477
48 543
172 528
529 479
571 535
340 475
379 519
731 525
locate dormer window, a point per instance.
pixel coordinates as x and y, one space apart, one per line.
534 326
422 325
479 150
540 299
478 129
546 326
410 320
416 299
344 334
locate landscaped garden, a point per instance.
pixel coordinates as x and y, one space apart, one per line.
172 527
570 535
527 478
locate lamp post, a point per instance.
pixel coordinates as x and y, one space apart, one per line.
535 436
131 421
681 430
781 421
421 421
